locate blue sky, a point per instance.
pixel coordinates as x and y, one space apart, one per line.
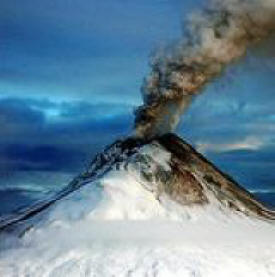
70 75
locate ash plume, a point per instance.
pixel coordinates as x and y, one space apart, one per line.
213 38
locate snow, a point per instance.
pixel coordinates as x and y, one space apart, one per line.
115 226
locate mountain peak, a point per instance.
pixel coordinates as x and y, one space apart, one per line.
165 166
190 180
143 208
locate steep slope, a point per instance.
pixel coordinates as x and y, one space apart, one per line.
154 208
188 178
196 178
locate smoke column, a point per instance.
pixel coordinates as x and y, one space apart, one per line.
214 37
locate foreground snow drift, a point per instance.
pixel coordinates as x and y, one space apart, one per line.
118 226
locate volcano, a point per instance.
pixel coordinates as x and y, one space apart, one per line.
143 207
166 166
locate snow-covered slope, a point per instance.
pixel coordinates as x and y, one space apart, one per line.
143 209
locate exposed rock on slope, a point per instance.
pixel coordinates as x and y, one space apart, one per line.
199 181
155 208
190 180
165 166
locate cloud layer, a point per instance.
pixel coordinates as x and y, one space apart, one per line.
69 81
43 135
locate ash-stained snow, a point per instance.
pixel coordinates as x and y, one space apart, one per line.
117 226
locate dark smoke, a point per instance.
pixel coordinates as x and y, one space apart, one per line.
213 38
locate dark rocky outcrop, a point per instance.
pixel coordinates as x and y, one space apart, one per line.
197 177
190 180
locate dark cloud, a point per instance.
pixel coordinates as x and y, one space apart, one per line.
42 158
43 135
14 111
254 169
236 133
97 51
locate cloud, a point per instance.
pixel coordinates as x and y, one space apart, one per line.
229 113
40 158
253 169
44 135
13 111
249 143
69 51
233 125
64 52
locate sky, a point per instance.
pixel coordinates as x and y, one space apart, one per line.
70 77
